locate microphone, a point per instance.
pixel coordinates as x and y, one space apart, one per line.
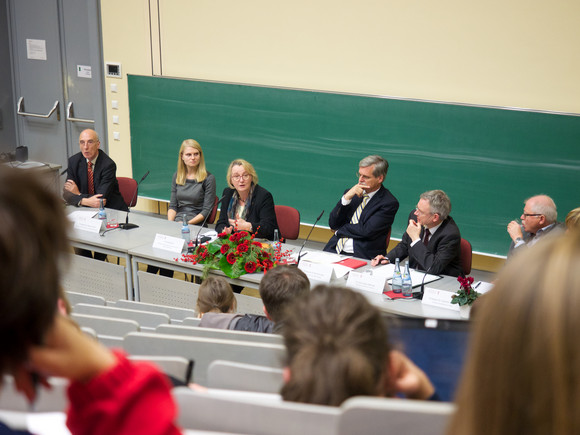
307 237
127 225
420 294
204 238
64 172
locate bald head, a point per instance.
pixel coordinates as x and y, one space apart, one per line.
89 143
544 205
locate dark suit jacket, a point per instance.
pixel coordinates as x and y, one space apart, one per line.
370 234
441 255
105 180
261 213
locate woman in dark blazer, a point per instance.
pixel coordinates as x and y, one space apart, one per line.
246 205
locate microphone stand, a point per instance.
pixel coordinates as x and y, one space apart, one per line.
127 225
197 241
307 237
420 294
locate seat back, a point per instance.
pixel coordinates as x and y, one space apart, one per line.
466 257
226 334
47 400
107 326
161 290
288 221
129 189
145 319
372 415
231 375
247 415
178 367
213 213
175 314
247 304
204 350
82 298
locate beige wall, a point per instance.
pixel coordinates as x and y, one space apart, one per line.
522 53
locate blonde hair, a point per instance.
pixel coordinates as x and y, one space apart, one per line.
573 219
523 369
215 296
200 172
247 167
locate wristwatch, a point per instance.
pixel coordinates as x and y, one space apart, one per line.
518 240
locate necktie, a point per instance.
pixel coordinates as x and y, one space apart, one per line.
353 220
426 237
91 178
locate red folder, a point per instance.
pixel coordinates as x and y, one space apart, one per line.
353 263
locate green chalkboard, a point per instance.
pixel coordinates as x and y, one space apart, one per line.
306 147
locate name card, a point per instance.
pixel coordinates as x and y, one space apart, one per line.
90 225
317 272
168 243
369 282
439 298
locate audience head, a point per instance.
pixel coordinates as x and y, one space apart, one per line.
32 239
337 347
245 173
573 220
190 156
89 143
522 374
437 202
279 287
215 296
539 212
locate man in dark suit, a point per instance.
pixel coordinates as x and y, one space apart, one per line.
77 189
363 217
432 240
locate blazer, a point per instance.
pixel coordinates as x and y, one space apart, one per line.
442 255
105 180
370 234
261 213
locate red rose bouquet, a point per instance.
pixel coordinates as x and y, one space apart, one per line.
235 255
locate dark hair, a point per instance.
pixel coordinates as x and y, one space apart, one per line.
280 286
216 296
32 239
337 347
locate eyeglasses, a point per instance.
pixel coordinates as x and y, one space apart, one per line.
421 212
364 177
244 177
527 215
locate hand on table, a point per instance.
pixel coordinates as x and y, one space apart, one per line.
379 259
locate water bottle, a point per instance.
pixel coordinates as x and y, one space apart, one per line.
276 243
407 283
185 234
102 213
397 282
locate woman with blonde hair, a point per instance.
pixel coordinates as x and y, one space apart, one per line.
573 220
246 205
215 296
192 187
522 374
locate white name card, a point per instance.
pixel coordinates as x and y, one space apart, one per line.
317 272
168 243
439 298
90 225
369 282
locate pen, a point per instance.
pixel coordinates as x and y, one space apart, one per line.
477 285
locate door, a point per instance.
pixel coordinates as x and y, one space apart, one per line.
57 61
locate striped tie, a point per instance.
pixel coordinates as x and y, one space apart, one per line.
353 220
91 177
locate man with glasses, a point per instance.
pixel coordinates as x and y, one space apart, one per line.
432 240
363 217
538 219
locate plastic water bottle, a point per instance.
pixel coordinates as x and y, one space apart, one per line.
102 213
276 242
185 233
407 283
397 282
